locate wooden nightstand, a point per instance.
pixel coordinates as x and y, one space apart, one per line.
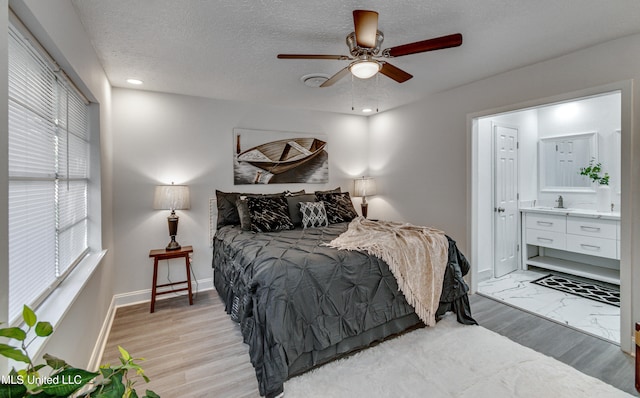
162 254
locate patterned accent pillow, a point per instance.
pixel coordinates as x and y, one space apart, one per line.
314 215
338 206
227 203
294 193
269 214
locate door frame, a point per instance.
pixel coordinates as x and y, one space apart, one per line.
628 201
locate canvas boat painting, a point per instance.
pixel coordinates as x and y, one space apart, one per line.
266 157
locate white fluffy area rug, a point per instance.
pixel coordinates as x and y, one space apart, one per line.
449 360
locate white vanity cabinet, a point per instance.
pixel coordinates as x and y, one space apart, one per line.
546 230
574 242
591 236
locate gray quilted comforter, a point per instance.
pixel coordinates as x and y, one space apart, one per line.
300 304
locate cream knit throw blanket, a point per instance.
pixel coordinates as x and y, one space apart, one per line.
417 257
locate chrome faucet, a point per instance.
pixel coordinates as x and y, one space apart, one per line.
560 202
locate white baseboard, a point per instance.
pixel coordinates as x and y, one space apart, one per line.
143 296
131 298
103 336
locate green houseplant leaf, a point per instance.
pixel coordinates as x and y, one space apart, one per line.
68 381
12 390
13 333
13 353
54 362
593 170
115 389
43 329
29 316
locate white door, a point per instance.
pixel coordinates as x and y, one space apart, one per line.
505 200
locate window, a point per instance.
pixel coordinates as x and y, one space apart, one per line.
48 176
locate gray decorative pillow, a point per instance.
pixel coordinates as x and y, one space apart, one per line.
334 190
227 211
294 206
338 206
313 215
243 212
269 214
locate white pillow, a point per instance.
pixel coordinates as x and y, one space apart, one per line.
313 214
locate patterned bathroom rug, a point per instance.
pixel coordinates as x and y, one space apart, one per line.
588 290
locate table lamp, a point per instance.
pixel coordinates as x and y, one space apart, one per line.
172 197
362 187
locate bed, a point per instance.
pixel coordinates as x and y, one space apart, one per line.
301 303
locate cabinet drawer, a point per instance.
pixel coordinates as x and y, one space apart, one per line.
592 227
547 222
592 246
551 239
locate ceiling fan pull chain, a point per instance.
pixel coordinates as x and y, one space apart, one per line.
377 92
353 108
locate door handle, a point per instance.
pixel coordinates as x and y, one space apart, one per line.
499 209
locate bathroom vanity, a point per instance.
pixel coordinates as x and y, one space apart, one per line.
574 241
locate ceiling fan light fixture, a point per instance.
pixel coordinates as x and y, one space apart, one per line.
365 69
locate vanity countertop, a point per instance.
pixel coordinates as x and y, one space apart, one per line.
572 212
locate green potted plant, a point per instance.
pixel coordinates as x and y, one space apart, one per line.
594 172
62 380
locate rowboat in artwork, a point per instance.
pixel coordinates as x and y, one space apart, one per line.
279 156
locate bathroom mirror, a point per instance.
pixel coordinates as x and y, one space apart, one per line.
560 159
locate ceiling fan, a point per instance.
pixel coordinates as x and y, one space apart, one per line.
364 45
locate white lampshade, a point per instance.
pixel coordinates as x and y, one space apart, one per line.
365 186
171 197
364 69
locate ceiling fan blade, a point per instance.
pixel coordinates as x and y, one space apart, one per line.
394 73
366 27
333 79
438 43
313 56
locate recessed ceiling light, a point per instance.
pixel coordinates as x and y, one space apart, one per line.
367 110
137 82
314 80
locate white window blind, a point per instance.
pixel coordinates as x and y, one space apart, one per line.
48 176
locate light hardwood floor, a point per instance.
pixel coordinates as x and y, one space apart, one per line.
191 351
197 351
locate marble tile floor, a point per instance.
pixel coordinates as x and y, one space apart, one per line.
592 317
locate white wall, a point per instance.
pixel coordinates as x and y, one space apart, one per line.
56 25
160 138
421 154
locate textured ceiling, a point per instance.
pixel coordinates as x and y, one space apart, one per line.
227 49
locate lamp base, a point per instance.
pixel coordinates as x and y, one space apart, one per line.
173 245
172 220
364 207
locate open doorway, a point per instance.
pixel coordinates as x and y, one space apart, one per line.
560 227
